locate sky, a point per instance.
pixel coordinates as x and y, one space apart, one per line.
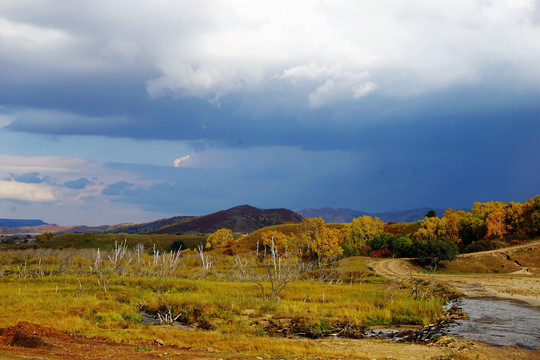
131 111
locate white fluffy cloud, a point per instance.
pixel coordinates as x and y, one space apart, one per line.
15 190
222 47
182 161
56 171
31 36
120 48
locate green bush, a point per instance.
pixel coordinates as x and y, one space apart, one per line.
398 246
433 251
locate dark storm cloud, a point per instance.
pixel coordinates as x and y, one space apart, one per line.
280 104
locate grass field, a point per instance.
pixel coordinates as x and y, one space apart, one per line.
65 289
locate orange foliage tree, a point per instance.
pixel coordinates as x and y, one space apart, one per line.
496 224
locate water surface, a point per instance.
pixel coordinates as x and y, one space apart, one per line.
499 322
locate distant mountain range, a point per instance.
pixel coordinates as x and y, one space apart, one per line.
149 227
21 222
239 219
331 215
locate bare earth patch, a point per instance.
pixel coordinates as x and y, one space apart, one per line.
522 283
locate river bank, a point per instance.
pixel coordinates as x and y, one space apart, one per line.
27 340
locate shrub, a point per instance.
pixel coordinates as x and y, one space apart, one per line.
432 252
395 245
178 245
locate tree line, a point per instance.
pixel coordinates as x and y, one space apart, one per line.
486 226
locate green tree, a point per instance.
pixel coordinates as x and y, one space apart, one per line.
178 245
398 246
471 229
431 252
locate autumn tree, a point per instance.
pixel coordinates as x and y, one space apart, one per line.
431 228
277 240
321 242
453 217
310 230
42 238
515 219
362 229
219 239
495 224
326 246
482 210
531 216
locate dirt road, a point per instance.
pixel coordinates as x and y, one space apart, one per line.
520 285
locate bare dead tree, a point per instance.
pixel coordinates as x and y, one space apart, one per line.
116 264
272 273
206 263
139 251
167 263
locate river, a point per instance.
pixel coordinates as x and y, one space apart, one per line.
499 322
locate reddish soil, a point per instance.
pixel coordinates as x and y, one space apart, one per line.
31 341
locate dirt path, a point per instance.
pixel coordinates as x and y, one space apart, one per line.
520 285
508 250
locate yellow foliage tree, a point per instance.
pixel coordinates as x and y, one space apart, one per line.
310 228
514 217
276 239
363 229
431 228
453 217
482 210
219 239
321 241
326 246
